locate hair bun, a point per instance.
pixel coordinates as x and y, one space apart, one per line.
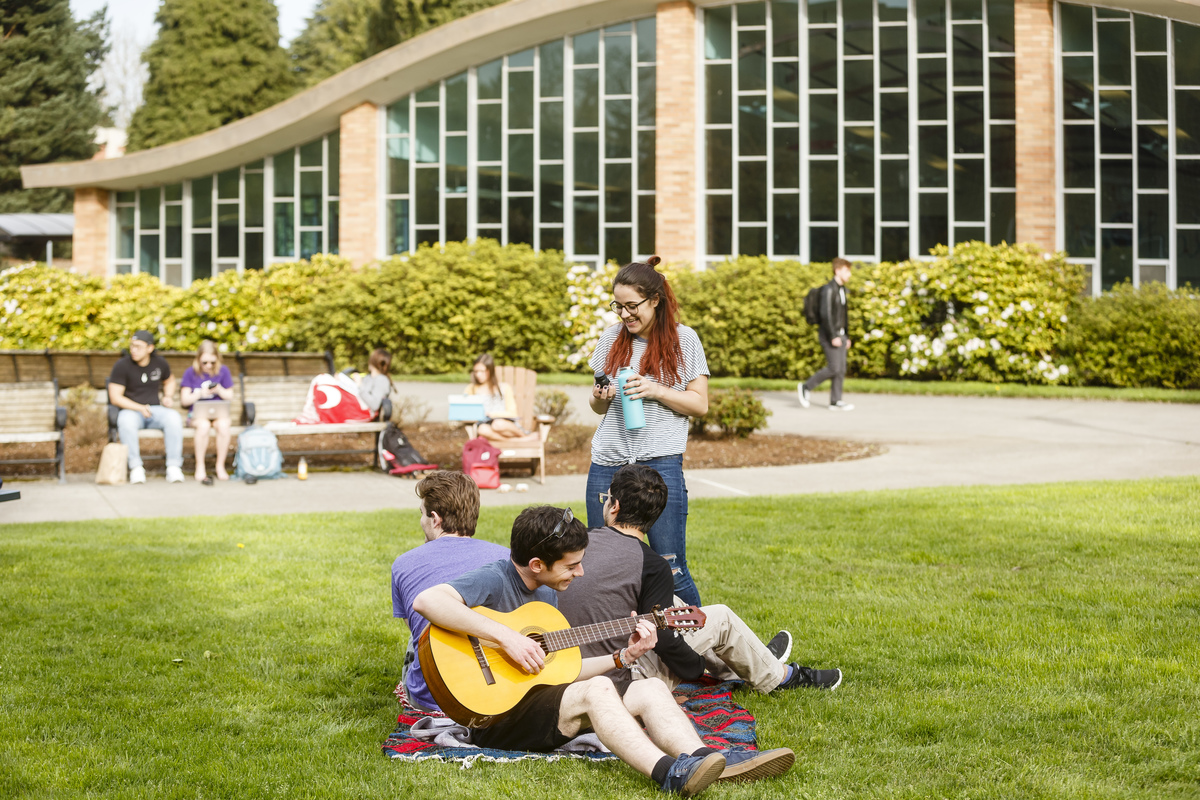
654 261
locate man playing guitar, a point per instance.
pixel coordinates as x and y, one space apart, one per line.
547 549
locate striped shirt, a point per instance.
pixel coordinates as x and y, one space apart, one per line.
666 431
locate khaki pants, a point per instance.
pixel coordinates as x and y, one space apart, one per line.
728 645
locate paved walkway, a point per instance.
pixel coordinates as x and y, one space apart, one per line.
931 441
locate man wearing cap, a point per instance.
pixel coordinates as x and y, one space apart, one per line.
134 387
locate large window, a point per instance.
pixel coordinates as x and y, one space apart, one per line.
1130 111
275 209
874 129
552 146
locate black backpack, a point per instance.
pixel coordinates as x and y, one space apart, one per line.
397 456
812 306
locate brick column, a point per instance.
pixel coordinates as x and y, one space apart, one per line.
90 240
359 184
1036 157
676 117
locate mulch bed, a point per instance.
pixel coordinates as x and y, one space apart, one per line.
568 451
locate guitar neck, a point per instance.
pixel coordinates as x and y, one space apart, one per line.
586 634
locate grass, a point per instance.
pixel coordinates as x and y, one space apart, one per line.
1032 642
893 386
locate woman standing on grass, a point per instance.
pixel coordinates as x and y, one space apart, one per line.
672 381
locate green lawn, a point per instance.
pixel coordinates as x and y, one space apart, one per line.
892 386
997 642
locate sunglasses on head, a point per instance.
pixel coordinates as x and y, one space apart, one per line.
567 518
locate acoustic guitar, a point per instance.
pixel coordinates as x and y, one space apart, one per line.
475 683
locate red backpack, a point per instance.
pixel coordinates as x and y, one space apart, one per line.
481 463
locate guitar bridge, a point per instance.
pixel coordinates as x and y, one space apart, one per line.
481 657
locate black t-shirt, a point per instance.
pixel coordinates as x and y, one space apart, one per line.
142 384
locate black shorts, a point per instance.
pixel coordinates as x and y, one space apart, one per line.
533 723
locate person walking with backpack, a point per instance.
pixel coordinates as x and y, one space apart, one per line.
830 312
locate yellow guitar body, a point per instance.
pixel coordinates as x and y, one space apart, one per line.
474 693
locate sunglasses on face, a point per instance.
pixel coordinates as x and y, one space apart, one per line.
208 363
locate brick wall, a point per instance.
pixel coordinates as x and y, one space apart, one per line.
90 241
676 226
359 186
1036 173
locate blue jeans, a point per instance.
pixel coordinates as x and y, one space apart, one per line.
668 537
129 422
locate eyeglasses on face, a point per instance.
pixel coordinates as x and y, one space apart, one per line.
567 518
208 362
605 497
631 308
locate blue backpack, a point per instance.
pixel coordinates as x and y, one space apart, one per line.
258 455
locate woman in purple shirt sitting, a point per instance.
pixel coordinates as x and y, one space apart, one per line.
206 380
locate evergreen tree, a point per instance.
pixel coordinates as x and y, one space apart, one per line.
396 21
335 37
47 112
214 62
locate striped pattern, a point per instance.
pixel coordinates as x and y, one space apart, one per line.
666 431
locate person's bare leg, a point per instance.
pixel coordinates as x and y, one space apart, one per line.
666 724
506 429
200 440
597 704
222 448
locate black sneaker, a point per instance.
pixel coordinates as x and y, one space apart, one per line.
691 775
754 765
816 678
781 646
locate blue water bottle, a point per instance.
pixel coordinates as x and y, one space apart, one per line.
631 408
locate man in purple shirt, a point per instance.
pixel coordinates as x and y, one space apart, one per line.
449 511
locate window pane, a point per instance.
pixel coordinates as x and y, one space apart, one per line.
1116 257
489 208
550 67
752 125
1153 226
552 239
860 90
587 51
860 224
894 244
618 203
822 244
335 164
860 157
334 222
456 102
397 151
1079 225
587 98
173 243
718 94
285 230
787 158
717 42
786 225
893 179
931 89
310 199
786 91
893 123
969 126
1187 258
1113 53
822 124
1002 88
1004 217
285 178
1078 95
752 241
254 251
968 55
932 150
1187 122
646 224
1000 27
822 189
893 56
752 191
397 226
520 220
752 60
822 59
646 160
968 190
490 134
149 251
1076 28
148 206
1152 87
520 100
456 164
645 44
254 200
430 94
1152 156
617 129
1187 192
520 163
427 146
720 224
227 184
202 202
752 14
552 130
202 256
856 27
785 29
1004 156
617 55
1149 34
719 159
646 95
969 233
427 197
822 12
934 229
489 80
966 9
1187 54
552 193
227 230
1079 155
174 192
397 119
310 155
587 225
893 10
1116 122
618 245
587 161
310 243
1116 191
931 26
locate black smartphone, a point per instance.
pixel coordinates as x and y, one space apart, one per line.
601 380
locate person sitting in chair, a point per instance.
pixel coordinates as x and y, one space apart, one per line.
499 403
134 386
206 380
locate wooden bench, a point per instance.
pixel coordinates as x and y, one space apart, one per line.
274 401
29 412
531 448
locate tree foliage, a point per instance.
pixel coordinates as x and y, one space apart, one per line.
214 62
47 111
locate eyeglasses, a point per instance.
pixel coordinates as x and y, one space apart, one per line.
567 518
605 497
630 307
211 363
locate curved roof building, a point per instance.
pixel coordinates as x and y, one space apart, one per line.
611 129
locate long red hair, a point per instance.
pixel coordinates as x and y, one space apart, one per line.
663 358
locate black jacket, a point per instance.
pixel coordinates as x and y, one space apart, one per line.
833 311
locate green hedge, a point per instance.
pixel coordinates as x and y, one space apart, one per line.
977 312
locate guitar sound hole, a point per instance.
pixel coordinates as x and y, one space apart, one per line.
541 641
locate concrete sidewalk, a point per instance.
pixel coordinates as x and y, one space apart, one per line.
931 441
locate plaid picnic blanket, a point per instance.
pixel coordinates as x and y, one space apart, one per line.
720 721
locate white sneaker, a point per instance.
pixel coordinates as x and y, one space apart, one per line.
174 475
802 392
137 475
841 405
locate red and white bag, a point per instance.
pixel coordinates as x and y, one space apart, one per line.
481 463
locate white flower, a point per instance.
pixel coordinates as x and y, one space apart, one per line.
877 334
903 349
212 326
962 351
1063 318
1026 305
902 303
994 343
906 291
939 347
981 310
1008 312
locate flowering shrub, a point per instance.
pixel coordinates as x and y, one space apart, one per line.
736 412
589 291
